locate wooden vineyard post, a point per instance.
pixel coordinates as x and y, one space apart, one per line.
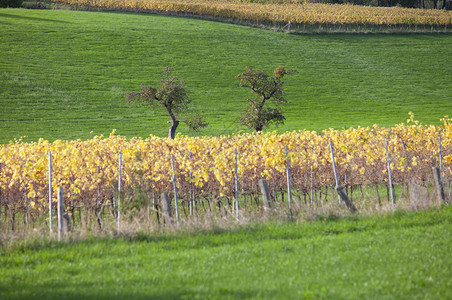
439 185
289 191
175 189
166 206
265 195
156 205
342 195
119 190
63 218
346 200
389 174
50 192
236 186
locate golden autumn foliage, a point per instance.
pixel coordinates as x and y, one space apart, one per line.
88 170
307 13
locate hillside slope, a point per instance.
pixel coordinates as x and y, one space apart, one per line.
64 74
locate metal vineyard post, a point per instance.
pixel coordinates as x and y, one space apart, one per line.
335 171
50 192
119 190
389 174
175 189
288 180
236 186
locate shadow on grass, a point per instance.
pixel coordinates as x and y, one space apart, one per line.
3 15
133 289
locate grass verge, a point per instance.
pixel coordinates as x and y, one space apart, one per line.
404 255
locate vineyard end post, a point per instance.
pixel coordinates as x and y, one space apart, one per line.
166 206
266 200
175 189
439 185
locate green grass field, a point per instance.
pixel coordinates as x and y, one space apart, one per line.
400 256
63 74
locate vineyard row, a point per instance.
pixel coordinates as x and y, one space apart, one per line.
88 170
309 13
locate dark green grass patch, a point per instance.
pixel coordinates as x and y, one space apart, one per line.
401 256
64 74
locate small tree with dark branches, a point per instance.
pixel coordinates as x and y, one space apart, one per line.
265 89
173 97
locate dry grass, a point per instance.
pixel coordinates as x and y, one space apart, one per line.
211 218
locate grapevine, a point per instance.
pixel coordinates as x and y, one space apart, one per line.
298 13
88 170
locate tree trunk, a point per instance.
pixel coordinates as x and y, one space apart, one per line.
435 4
174 123
172 129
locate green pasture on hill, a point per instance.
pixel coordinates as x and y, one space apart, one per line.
401 256
64 74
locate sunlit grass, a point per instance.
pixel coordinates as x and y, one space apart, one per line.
400 256
64 74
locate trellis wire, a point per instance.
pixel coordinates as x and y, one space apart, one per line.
175 189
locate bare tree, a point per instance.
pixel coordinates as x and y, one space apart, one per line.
173 97
265 89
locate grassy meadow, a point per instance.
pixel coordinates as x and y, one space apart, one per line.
63 74
399 256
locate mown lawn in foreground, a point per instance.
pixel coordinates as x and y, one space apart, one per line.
64 74
400 256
